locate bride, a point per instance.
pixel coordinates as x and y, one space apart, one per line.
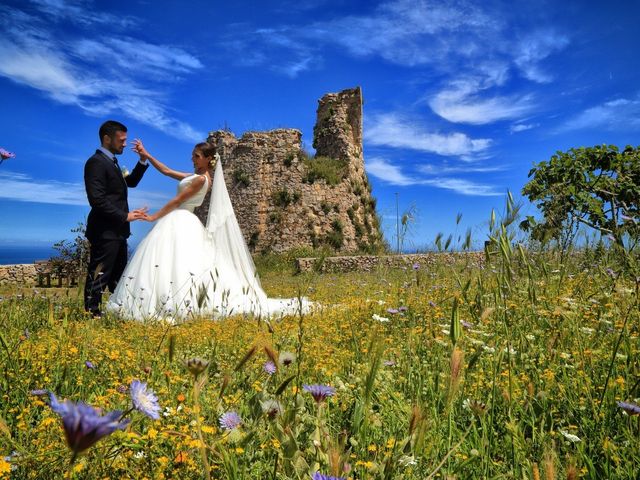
182 268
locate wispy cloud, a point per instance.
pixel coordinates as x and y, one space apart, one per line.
410 32
20 187
393 130
462 103
450 37
534 48
393 175
521 127
80 12
71 68
619 114
431 169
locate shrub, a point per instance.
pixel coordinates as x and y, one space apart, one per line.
331 170
283 198
240 177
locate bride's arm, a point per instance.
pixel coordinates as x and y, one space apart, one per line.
138 147
194 187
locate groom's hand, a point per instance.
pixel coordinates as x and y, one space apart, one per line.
137 214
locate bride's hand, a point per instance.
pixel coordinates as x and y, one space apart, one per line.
150 218
138 147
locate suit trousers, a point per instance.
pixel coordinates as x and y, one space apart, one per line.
107 261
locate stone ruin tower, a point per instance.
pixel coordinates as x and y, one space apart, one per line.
285 199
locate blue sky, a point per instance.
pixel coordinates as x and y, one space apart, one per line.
461 98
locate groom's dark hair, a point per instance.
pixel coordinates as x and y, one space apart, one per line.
109 128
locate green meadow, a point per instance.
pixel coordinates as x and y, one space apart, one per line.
508 368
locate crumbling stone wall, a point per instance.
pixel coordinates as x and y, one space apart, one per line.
282 204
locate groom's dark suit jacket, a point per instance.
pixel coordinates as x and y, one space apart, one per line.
107 192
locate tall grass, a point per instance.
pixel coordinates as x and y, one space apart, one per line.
510 369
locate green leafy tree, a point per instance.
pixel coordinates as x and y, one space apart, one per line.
73 256
597 186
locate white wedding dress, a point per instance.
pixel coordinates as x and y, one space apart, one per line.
182 269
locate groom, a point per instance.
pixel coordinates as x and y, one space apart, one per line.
109 218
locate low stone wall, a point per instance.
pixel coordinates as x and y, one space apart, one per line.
26 274
367 263
22 274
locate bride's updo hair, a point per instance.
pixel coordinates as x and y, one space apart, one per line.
208 150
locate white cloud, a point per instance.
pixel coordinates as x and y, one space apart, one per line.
21 187
393 175
463 187
384 170
72 70
430 169
393 130
615 114
462 103
449 37
81 13
521 127
533 49
137 57
410 32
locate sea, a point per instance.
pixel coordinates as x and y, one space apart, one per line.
14 254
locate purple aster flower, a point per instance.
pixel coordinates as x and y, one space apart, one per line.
432 304
403 309
466 324
319 392
84 425
269 367
230 420
89 365
630 408
393 311
320 476
39 392
144 400
611 272
416 266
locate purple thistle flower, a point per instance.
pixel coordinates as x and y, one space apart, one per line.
230 420
269 367
630 408
84 425
4 154
144 400
319 392
89 365
320 476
